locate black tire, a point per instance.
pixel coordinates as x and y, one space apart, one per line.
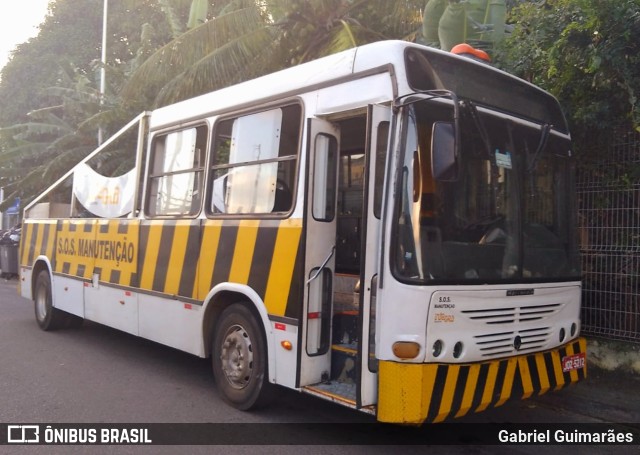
239 358
48 317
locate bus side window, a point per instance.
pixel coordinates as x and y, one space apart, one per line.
255 161
175 178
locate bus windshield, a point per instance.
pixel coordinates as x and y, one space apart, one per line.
508 216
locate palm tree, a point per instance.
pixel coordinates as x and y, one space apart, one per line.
249 38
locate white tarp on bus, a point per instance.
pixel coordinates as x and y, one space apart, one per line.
106 197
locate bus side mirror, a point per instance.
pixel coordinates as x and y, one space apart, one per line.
444 152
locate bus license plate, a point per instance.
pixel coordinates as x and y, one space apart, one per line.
573 362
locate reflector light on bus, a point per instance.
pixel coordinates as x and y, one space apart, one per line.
406 349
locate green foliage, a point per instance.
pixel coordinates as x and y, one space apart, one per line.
161 51
72 33
585 52
311 29
249 38
37 152
49 101
480 23
198 13
210 55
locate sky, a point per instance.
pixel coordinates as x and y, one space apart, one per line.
19 20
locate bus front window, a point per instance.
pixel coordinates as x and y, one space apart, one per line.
507 217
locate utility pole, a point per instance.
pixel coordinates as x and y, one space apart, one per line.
103 68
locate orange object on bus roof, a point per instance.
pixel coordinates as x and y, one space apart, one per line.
464 48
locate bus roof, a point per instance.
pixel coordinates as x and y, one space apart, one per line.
315 73
289 80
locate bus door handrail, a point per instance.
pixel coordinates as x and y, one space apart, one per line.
323 266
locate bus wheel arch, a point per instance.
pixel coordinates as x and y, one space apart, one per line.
223 296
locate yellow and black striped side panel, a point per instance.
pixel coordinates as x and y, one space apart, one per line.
107 248
182 258
416 393
189 258
38 239
169 253
266 255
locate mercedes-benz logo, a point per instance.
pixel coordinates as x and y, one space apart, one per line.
517 342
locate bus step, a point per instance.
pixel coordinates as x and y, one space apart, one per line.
339 392
342 385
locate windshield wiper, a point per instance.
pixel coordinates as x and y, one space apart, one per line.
544 138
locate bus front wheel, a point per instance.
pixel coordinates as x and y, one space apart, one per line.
239 357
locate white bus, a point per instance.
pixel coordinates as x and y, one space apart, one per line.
390 228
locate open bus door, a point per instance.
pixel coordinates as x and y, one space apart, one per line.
378 127
315 352
344 236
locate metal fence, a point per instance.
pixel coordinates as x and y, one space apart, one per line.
609 222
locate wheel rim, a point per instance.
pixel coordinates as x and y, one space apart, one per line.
41 303
236 357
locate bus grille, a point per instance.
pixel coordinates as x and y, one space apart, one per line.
503 342
513 315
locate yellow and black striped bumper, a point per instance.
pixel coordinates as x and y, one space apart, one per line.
417 393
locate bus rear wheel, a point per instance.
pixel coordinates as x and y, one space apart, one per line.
48 317
239 358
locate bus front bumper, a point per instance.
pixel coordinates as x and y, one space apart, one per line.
412 393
